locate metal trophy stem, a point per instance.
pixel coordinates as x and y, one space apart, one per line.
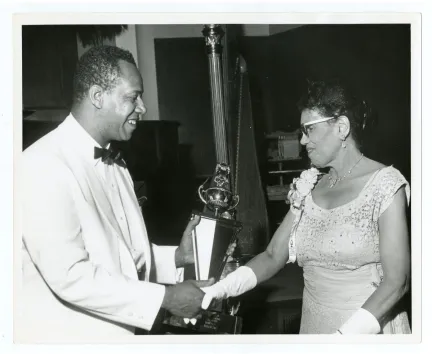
213 35
218 197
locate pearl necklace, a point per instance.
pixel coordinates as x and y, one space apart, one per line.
337 180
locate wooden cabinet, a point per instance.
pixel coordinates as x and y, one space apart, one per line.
49 57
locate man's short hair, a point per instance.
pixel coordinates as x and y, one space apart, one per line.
99 66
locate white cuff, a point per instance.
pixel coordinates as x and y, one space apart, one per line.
362 322
164 263
234 284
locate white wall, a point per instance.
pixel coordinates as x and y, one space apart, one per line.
127 40
81 49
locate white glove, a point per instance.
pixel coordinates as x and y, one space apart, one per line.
236 283
362 322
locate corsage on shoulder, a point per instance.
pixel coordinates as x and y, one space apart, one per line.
301 187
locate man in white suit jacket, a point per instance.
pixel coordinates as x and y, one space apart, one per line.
84 238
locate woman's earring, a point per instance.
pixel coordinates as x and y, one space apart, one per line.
343 142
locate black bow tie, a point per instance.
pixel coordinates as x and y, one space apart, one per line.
109 156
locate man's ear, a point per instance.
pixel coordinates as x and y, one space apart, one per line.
344 127
96 94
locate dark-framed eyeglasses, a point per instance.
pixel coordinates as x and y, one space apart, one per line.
305 126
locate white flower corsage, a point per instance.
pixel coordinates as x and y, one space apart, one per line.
299 190
302 187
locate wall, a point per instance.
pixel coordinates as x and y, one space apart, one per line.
127 40
275 29
145 36
185 85
81 49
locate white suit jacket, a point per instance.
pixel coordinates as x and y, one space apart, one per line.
79 268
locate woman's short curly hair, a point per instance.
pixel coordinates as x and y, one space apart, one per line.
332 98
99 66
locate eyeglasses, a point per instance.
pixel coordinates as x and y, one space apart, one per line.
304 127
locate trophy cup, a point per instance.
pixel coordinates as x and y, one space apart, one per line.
218 197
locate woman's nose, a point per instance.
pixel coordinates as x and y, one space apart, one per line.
304 139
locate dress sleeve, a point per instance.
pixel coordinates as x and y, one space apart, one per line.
390 182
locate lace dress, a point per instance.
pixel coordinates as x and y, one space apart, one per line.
338 249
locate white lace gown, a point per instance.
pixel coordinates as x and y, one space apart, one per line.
339 251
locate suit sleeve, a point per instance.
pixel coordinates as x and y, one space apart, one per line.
52 236
165 268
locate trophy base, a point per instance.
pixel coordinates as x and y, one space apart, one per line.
208 322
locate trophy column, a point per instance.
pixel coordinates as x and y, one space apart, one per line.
218 198
213 35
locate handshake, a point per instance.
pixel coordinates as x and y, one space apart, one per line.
185 299
188 298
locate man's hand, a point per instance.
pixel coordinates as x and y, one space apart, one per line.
184 253
185 299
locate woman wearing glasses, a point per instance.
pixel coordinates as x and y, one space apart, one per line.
347 228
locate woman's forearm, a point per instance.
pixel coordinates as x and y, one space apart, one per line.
265 266
245 278
387 295
259 269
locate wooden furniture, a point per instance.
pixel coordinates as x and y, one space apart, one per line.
49 57
34 130
284 174
284 162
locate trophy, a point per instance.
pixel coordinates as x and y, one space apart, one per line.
217 229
